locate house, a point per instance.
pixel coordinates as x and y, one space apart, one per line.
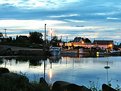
82 42
104 44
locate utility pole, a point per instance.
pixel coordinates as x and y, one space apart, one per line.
44 49
5 33
61 38
66 39
51 33
45 34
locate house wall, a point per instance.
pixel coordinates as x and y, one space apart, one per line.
76 44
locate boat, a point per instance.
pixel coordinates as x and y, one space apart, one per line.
55 51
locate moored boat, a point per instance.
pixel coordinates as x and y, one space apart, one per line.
55 51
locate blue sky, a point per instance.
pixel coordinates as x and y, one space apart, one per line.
97 19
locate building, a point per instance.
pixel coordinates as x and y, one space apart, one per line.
80 42
104 44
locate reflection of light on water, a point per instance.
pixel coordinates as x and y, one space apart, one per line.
107 67
76 69
50 74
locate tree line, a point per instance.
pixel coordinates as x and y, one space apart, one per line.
34 39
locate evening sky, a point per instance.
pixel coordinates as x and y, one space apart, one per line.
94 19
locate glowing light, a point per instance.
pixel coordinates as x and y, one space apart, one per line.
97 54
50 74
68 44
110 46
82 42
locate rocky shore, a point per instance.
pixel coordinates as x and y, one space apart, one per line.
15 82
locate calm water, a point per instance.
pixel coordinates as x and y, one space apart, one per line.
81 71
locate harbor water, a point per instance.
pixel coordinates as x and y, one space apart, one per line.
78 70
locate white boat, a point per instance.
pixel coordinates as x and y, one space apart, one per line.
55 51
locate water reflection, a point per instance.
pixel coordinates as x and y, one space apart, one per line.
79 70
107 67
54 59
50 74
1 60
33 61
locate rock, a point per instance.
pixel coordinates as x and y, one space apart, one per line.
59 85
14 82
74 87
66 86
3 70
43 85
85 88
15 77
107 88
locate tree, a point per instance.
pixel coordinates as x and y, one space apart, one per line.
1 35
9 39
87 40
22 39
35 37
55 41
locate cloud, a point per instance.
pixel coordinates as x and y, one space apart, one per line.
28 24
106 13
112 18
33 4
52 9
68 17
75 21
61 16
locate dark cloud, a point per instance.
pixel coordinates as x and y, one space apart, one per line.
106 12
10 12
86 9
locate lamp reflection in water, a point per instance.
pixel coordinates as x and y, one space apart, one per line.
52 59
107 67
50 74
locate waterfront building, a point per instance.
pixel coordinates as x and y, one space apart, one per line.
80 42
104 44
